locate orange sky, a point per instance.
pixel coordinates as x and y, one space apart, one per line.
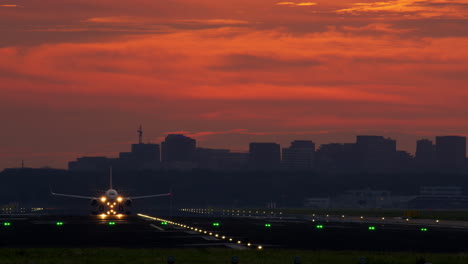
77 77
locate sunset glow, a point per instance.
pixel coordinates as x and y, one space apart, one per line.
78 77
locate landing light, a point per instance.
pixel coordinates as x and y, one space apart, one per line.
103 199
119 199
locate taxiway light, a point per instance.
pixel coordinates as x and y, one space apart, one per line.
59 223
215 224
112 223
423 229
7 224
103 199
119 199
371 228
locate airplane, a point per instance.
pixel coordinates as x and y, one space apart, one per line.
111 203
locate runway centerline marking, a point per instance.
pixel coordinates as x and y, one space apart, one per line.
157 227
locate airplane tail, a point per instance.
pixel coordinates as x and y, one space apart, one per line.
110 178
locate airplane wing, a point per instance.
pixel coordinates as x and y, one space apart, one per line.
73 196
149 196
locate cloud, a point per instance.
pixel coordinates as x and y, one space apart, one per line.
11 6
297 4
412 8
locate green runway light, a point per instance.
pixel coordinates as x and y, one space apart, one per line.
112 223
216 224
267 225
319 226
59 223
164 223
423 229
371 228
7 224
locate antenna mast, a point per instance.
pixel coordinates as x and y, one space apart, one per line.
140 135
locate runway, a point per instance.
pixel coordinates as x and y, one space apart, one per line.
227 232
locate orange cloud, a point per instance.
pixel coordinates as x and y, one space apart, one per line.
416 8
297 4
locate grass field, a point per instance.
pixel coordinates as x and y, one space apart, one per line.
214 256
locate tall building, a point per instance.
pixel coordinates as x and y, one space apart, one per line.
425 154
178 148
299 156
376 153
336 157
264 156
451 152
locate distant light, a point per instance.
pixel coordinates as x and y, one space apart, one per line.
437 221
239 242
260 247
423 229
371 228
111 223
59 223
248 244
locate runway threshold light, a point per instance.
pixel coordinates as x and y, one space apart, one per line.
7 224
163 223
319 226
112 223
423 229
216 224
371 228
59 224
267 225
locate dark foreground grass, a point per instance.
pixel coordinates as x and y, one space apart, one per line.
214 256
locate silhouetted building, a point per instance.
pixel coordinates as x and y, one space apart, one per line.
210 158
178 152
376 153
451 153
299 156
336 157
425 155
264 156
90 164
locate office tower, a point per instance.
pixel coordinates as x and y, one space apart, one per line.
376 153
299 156
178 148
451 153
425 155
264 156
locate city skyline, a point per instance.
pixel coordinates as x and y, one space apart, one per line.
135 147
77 75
